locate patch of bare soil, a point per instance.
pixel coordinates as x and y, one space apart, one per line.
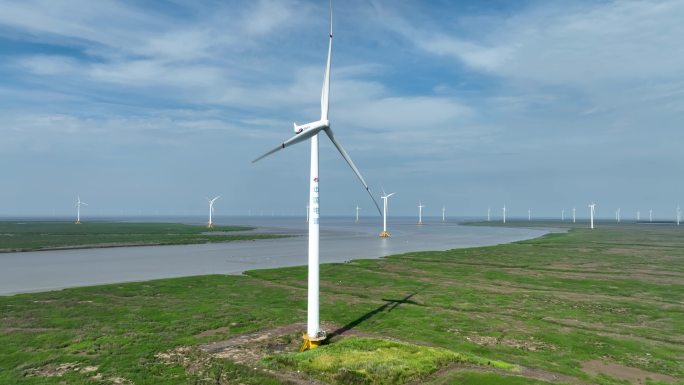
247 349
635 376
58 370
530 344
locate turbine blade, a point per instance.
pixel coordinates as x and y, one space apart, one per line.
390 195
325 92
302 136
351 164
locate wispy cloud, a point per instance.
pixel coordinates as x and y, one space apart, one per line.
415 87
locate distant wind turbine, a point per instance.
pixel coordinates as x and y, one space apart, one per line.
592 208
638 215
357 213
562 215
443 212
314 334
529 215
650 215
617 215
211 201
489 211
573 215
504 214
385 198
79 203
420 213
679 215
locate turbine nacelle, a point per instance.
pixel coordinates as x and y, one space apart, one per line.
309 127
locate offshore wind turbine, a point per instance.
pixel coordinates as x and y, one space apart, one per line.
617 215
443 211
385 198
504 214
314 334
592 208
650 215
357 213
211 201
638 215
573 215
562 215
79 203
679 214
489 211
420 213
529 215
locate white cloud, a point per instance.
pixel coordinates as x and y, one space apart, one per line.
569 45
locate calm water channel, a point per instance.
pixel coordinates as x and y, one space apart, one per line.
341 240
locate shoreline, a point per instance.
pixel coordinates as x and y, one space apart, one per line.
224 258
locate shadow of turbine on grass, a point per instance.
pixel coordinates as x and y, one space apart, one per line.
390 305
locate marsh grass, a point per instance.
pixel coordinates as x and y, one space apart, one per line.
552 303
33 235
358 360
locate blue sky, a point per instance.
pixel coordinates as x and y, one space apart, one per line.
152 106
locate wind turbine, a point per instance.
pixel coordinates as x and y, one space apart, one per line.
562 215
489 211
529 215
314 335
679 214
617 215
504 214
592 208
420 213
79 203
357 213
211 201
638 215
650 215
443 210
385 198
573 215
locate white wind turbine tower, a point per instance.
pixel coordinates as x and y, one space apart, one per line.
617 215
211 201
562 215
650 215
385 198
679 214
592 208
357 213
529 215
314 335
79 203
489 211
443 212
504 214
638 215
420 213
573 215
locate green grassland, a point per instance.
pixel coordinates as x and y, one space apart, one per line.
550 304
34 235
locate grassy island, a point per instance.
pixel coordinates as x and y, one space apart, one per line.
34 235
